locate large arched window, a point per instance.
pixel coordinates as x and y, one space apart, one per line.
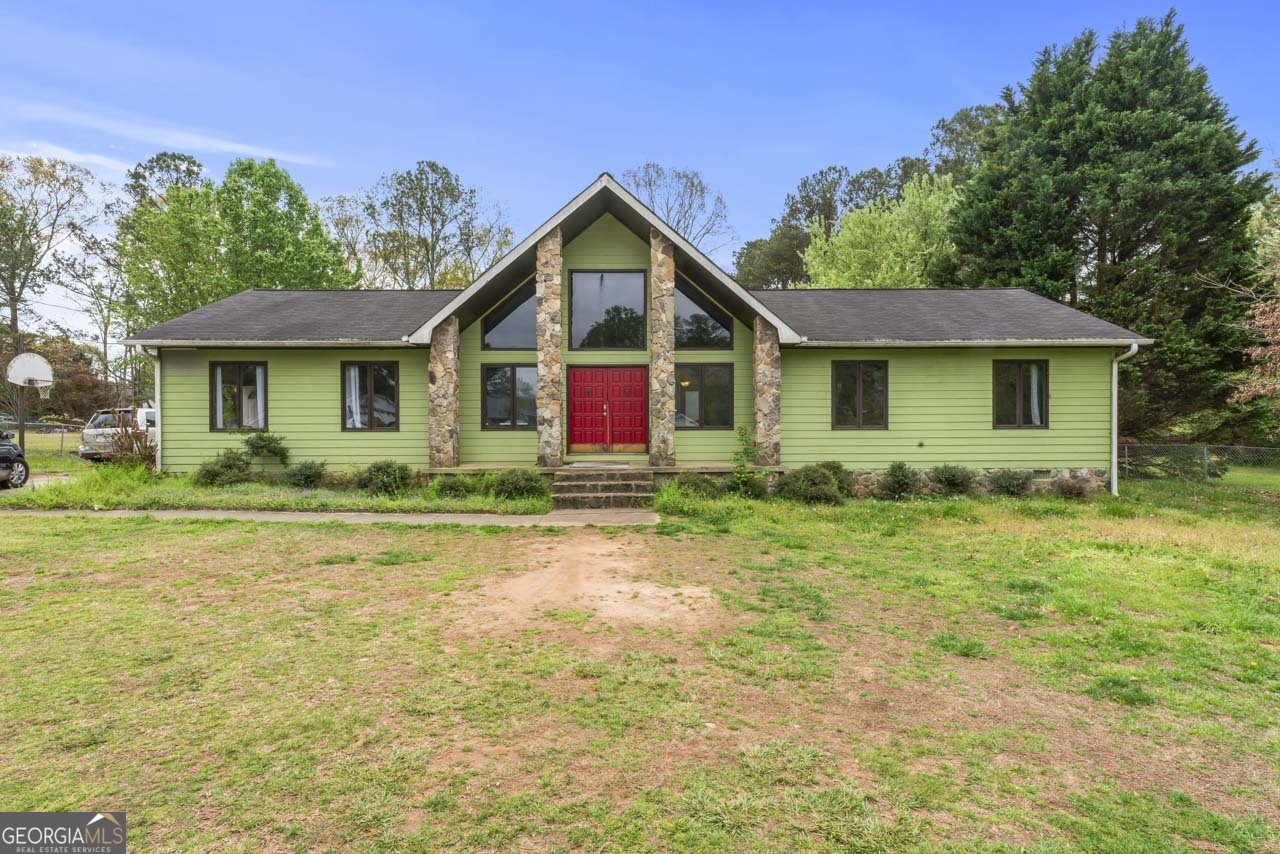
700 323
513 324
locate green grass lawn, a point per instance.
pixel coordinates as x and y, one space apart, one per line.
50 453
1254 477
960 674
109 487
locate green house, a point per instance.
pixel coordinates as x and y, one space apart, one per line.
606 336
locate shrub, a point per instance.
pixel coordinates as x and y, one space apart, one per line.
701 485
307 474
230 466
131 447
751 485
898 481
810 484
845 480
451 486
520 483
1010 482
386 477
953 480
266 445
1073 487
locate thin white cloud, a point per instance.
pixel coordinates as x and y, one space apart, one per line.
156 133
84 158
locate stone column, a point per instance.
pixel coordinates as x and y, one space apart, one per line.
442 395
662 350
766 361
550 327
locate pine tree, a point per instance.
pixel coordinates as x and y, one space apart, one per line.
1120 187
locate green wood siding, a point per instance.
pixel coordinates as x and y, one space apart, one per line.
940 411
304 389
488 447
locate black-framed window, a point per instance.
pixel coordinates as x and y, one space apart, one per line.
704 397
860 395
510 397
1020 393
607 309
513 325
700 323
370 395
237 396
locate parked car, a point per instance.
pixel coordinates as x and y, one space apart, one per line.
14 470
99 432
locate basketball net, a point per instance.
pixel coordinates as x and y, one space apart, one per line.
44 389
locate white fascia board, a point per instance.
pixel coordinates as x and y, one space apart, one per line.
1004 342
275 345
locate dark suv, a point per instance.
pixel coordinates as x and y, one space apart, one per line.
13 464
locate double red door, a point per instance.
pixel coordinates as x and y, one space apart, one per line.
608 409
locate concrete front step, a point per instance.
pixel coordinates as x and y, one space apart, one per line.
601 501
583 488
604 476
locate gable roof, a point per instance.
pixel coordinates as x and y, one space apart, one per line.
604 195
331 318
920 316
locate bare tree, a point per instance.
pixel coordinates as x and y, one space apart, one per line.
44 204
346 221
684 201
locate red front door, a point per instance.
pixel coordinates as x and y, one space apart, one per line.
608 410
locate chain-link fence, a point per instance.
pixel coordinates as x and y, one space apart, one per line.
48 437
1257 468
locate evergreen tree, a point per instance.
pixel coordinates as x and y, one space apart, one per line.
1119 187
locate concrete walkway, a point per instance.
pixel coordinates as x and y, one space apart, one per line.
554 519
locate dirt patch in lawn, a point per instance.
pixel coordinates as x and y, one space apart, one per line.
586 576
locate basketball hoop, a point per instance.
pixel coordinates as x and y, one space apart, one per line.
32 371
43 389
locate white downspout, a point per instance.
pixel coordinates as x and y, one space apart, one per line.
1115 416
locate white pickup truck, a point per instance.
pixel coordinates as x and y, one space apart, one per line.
96 443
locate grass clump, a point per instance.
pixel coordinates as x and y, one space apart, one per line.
701 485
845 480
1120 689
229 467
386 477
451 486
961 645
1014 482
307 474
952 479
810 485
519 483
899 481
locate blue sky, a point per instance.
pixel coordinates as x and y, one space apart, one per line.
530 101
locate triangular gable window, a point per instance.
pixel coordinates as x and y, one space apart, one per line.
700 323
513 324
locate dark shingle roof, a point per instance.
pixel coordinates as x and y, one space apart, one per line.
918 315
276 315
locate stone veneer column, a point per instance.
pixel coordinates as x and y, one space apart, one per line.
662 350
550 326
766 361
442 395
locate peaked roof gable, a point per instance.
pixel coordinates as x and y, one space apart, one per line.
603 195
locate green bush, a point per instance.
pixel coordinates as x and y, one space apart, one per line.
230 466
701 485
451 486
953 480
899 481
386 477
1015 482
751 485
810 484
520 483
845 480
266 445
307 474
